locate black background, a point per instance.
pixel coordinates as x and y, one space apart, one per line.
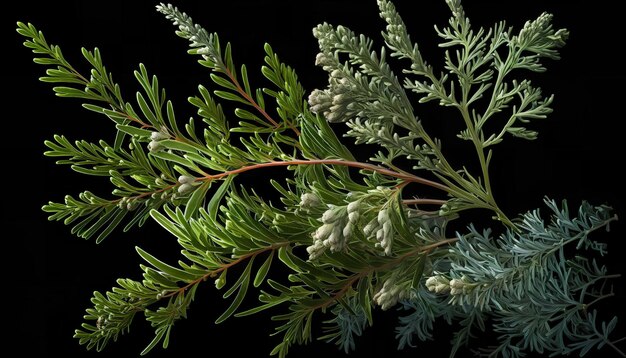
49 275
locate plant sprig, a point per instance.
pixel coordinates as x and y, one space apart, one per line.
350 240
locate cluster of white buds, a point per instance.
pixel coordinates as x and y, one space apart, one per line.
330 234
324 59
380 227
316 250
322 33
338 223
127 203
395 29
438 284
460 286
155 138
353 218
336 102
320 101
539 36
309 201
390 294
186 184
456 286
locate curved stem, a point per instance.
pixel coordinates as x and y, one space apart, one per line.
374 168
423 202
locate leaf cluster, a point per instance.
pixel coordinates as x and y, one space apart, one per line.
342 237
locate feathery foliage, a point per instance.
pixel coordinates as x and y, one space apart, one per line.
350 240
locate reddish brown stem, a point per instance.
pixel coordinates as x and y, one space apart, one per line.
404 176
256 106
223 267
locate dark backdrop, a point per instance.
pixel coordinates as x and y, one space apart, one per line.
49 275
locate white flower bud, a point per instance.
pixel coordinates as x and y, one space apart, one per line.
338 99
438 284
316 31
389 295
322 59
332 117
154 146
335 240
323 232
353 206
455 283
309 200
220 282
387 229
185 188
157 136
370 227
379 235
383 216
347 231
460 286
315 250
353 217
336 74
332 214
186 179
317 108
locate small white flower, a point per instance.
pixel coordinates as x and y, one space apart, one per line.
460 286
353 206
315 250
323 59
333 214
370 227
383 216
157 136
390 294
154 146
185 188
347 230
186 179
332 117
309 200
438 284
336 241
336 74
353 217
323 232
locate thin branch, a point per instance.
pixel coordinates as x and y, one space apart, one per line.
223 267
252 102
423 202
374 168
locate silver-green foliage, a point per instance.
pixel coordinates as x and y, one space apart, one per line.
350 240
